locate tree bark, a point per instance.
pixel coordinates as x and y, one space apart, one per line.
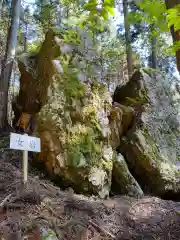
25 37
128 39
175 35
1 5
153 49
8 61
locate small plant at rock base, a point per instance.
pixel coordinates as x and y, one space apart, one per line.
73 156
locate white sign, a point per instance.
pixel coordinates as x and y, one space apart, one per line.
24 143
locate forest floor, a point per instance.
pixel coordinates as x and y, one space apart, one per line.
26 212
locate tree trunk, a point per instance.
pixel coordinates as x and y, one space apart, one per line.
1 5
153 49
128 38
175 35
8 61
25 37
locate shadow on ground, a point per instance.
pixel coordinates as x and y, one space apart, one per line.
25 211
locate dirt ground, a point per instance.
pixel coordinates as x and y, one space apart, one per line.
25 211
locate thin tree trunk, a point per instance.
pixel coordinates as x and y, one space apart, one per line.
25 38
128 39
8 61
153 49
175 35
1 8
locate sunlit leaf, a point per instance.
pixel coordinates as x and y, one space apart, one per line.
104 14
109 9
91 5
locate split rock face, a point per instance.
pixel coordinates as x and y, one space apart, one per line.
81 131
151 146
72 121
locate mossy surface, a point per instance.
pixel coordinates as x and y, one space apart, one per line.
143 155
123 178
73 127
81 143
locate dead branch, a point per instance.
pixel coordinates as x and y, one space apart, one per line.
102 229
4 201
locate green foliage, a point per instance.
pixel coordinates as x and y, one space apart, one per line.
70 36
90 13
85 147
175 47
138 100
44 14
80 24
98 88
155 9
97 14
155 13
135 17
107 165
103 9
34 47
173 17
72 87
74 156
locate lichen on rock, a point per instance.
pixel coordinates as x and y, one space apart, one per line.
79 139
120 120
124 179
72 122
150 147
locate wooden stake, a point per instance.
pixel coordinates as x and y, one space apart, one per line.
25 165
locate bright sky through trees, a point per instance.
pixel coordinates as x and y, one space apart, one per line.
117 19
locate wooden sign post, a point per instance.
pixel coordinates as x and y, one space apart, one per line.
25 143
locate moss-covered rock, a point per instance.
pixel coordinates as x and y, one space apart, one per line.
126 183
151 146
120 120
151 169
72 120
76 146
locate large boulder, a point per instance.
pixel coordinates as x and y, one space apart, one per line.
74 134
71 120
151 146
122 177
120 120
